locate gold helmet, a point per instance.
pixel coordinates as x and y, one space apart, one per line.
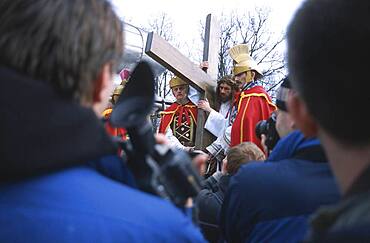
247 65
239 52
116 93
118 90
176 81
243 61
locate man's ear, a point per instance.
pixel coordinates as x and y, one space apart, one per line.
103 85
301 115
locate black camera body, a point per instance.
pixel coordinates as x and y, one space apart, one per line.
268 128
158 169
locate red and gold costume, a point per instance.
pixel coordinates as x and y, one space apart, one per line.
117 132
254 105
181 119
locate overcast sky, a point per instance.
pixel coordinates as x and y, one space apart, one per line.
187 14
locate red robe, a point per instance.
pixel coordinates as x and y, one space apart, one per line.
254 105
176 109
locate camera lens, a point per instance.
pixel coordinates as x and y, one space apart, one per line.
261 128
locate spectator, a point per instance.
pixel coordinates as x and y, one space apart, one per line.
62 55
328 55
211 197
271 201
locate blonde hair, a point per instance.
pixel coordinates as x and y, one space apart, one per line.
241 154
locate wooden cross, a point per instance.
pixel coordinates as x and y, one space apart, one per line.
172 59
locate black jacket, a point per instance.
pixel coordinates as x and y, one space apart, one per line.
209 202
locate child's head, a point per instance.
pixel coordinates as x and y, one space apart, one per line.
240 154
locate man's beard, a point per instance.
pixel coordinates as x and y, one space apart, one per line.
224 99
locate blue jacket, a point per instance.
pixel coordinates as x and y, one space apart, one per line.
49 192
271 201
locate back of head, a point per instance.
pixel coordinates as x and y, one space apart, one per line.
65 43
241 154
328 49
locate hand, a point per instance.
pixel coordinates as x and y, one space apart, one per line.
204 105
263 143
204 65
199 161
223 168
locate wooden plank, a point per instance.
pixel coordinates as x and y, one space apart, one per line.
172 59
212 45
210 54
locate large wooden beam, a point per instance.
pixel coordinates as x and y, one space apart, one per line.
210 53
211 48
172 59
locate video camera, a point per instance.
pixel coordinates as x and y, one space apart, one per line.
158 169
268 128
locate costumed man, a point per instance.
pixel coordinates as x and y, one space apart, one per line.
218 121
178 121
251 105
113 131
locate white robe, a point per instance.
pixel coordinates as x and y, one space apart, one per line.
217 121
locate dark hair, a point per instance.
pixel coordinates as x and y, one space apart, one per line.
62 42
328 59
241 154
229 81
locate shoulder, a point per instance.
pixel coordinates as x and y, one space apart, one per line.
94 204
257 92
171 108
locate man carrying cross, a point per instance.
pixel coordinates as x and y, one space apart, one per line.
178 121
251 105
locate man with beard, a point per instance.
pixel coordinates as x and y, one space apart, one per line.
251 105
217 121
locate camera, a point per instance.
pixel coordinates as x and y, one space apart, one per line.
158 169
268 128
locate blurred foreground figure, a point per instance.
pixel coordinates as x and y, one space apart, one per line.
328 55
60 180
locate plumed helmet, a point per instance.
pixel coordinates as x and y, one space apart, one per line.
176 81
243 61
239 52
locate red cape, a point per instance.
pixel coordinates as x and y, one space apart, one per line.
169 114
254 105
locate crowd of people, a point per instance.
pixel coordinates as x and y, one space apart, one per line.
62 178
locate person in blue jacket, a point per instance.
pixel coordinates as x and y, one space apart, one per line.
60 180
271 201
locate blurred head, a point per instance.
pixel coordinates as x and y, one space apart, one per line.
241 154
180 89
226 88
72 45
331 79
